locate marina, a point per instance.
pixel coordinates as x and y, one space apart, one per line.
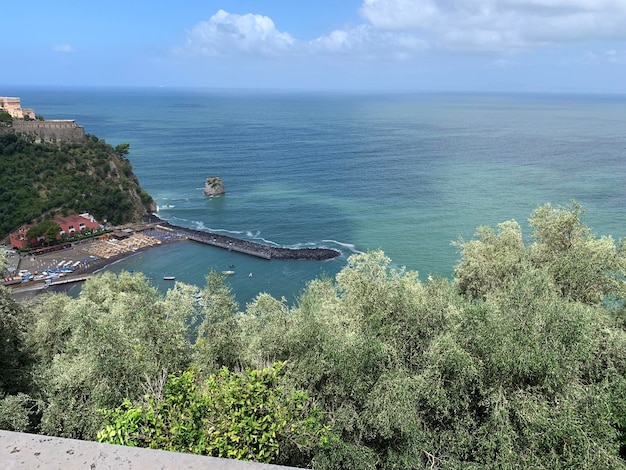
75 263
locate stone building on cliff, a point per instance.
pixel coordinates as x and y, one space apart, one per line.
69 227
25 122
12 105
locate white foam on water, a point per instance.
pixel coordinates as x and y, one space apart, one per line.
349 246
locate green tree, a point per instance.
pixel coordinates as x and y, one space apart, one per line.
244 416
413 375
582 267
122 149
3 263
15 358
520 361
217 338
116 338
492 260
42 179
48 229
18 411
5 118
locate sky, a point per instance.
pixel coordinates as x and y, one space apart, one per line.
379 45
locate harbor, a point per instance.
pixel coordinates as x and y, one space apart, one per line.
76 262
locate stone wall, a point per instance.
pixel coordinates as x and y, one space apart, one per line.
19 451
51 131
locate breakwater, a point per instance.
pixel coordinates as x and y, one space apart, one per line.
247 247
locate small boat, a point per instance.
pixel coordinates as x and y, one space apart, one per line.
228 273
169 278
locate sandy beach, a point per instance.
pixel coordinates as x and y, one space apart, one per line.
87 257
91 255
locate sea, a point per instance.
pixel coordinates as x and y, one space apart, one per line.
405 173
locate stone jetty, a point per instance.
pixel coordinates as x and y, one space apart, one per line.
244 246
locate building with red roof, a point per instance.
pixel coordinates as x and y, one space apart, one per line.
70 226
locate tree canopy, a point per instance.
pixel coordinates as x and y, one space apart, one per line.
48 229
38 180
519 361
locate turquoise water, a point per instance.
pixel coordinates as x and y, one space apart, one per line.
406 173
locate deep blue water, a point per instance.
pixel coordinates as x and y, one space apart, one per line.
406 173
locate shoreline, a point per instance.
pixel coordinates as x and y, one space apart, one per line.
29 289
154 233
94 256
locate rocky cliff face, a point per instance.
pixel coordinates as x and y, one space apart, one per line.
214 186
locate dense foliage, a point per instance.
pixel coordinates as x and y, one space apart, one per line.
245 416
40 179
48 229
519 361
5 118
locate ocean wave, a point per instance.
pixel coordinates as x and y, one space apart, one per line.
297 246
176 220
223 230
199 225
257 236
348 246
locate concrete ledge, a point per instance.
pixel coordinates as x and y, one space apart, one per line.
32 451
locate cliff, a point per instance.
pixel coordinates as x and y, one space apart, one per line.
25 121
39 179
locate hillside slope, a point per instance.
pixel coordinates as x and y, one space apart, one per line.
39 180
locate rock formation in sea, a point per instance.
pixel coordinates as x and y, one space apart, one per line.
214 186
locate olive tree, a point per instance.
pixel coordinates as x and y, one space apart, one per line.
217 337
491 260
414 375
116 338
18 411
581 266
584 267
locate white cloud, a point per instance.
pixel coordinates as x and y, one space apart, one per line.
610 56
228 33
404 29
500 25
399 14
365 41
62 48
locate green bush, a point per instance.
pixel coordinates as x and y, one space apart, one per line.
244 416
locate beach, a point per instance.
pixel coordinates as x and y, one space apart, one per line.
86 258
60 269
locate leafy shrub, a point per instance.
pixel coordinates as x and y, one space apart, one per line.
244 416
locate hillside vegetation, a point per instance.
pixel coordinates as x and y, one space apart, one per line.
39 180
517 362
